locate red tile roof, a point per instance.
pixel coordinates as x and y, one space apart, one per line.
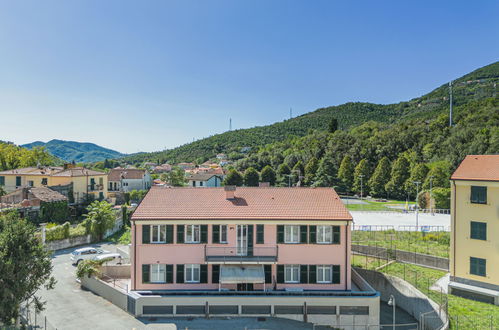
478 167
131 173
250 203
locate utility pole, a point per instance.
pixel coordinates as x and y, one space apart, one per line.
290 113
361 186
431 186
450 108
417 183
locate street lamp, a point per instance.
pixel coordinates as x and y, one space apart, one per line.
361 186
417 183
391 302
431 185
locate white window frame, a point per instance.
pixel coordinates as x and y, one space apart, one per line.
221 231
195 231
322 271
192 270
158 273
292 273
322 233
161 230
291 234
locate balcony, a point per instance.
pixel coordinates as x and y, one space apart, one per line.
95 187
237 255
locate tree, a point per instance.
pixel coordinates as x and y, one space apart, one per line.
25 267
101 217
362 168
439 175
233 178
399 175
268 175
326 173
380 178
418 174
176 177
297 172
283 169
345 173
251 177
311 170
333 125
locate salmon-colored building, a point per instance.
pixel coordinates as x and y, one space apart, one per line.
251 239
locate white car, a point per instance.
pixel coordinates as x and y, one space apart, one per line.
84 254
114 258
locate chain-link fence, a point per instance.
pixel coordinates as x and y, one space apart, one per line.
29 319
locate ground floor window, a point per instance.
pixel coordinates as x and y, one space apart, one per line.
478 266
192 273
292 273
158 273
324 274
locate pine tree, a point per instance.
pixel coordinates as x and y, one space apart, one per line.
345 173
233 178
326 173
268 175
399 175
251 177
380 178
311 170
362 168
333 125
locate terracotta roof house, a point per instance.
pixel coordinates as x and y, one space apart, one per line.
125 180
205 179
247 251
474 257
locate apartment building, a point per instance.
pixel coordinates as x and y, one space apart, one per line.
475 223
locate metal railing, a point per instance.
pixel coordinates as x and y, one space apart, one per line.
238 254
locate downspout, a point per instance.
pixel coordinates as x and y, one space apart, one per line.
346 255
453 228
134 255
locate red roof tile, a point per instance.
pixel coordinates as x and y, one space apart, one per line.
478 167
250 203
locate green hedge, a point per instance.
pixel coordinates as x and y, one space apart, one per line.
59 232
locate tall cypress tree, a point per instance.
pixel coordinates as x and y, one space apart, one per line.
326 173
345 173
362 168
399 175
311 170
380 178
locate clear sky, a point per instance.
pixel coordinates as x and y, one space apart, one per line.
145 75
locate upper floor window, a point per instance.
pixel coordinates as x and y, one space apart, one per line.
2 181
30 183
292 234
18 181
223 233
324 234
478 230
200 183
292 273
478 266
158 273
158 234
193 234
324 274
192 273
44 181
478 195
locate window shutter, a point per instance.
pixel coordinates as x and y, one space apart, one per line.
280 234
180 273
180 233
336 274
204 233
203 275
250 239
215 234
169 273
336 234
215 273
146 234
312 234
312 274
260 234
303 274
268 273
280 273
169 234
303 234
146 269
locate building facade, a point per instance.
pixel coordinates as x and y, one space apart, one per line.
85 183
259 240
475 224
205 180
126 180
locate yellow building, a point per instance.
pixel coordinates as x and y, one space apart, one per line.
474 264
84 181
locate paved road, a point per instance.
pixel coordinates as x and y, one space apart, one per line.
70 307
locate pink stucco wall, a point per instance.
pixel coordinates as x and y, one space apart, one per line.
307 254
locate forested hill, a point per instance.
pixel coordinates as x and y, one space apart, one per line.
75 151
475 86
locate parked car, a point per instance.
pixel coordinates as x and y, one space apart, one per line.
84 254
114 258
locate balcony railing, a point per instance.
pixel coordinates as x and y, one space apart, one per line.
259 254
95 187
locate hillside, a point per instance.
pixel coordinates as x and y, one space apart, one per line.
75 151
475 86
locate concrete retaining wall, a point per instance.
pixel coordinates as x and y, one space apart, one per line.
117 271
406 297
403 256
107 292
68 242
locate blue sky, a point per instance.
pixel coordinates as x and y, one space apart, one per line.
145 75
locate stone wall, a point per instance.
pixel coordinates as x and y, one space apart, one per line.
403 256
117 297
408 298
68 242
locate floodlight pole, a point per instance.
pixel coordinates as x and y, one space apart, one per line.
361 186
417 183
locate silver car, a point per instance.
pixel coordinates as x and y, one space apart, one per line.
84 254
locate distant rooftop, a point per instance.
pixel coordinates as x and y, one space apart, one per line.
116 174
479 168
52 171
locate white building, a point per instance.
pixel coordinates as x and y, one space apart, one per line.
126 180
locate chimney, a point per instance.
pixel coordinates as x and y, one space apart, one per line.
229 192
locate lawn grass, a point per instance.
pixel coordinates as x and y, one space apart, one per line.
433 243
369 207
121 237
463 313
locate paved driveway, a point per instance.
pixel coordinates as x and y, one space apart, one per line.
70 307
